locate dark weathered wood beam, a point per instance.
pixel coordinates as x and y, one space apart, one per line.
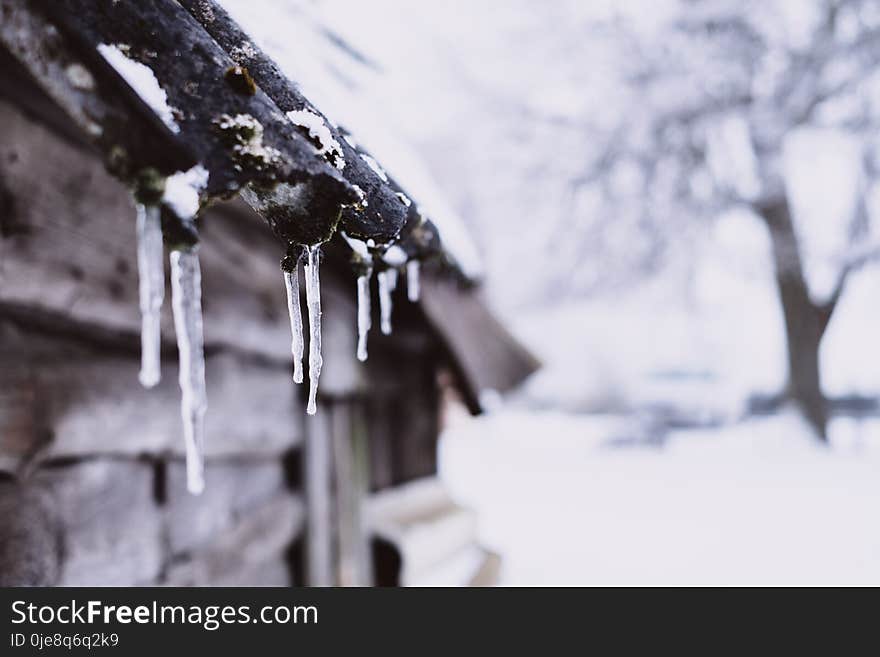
192 70
93 100
384 213
420 238
229 124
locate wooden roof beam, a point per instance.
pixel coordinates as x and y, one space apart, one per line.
383 213
225 121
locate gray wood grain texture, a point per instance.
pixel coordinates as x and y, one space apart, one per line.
31 538
61 401
252 552
111 524
68 249
318 466
234 490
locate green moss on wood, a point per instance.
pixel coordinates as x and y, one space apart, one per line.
240 80
149 186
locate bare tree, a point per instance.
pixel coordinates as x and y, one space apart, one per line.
714 96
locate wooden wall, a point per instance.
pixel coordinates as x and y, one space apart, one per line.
92 462
91 472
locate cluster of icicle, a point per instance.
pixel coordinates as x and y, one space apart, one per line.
313 302
186 304
387 285
387 279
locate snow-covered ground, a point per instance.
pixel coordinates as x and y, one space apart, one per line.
753 503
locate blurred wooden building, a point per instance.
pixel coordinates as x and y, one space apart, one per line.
92 489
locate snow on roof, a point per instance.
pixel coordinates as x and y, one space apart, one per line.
334 75
182 191
410 172
141 78
327 145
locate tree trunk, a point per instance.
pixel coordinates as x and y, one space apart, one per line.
805 321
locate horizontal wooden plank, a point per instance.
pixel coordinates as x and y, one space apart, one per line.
252 552
110 522
58 400
67 246
234 490
30 536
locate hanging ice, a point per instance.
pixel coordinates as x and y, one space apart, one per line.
385 288
412 280
364 313
186 302
291 282
313 301
151 274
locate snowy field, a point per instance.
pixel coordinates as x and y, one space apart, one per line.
754 503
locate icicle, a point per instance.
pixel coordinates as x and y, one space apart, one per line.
291 282
385 299
186 302
392 280
412 280
364 313
151 273
313 300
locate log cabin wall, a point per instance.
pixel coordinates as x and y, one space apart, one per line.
93 488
